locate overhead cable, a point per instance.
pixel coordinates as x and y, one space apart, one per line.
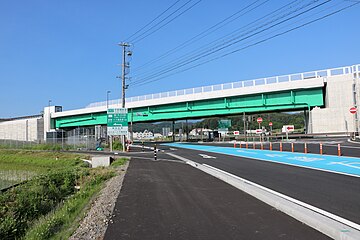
154 28
254 44
156 18
228 44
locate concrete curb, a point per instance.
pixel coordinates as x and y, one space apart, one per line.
325 222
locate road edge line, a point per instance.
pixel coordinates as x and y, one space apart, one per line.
334 226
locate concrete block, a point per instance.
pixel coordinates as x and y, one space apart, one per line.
101 161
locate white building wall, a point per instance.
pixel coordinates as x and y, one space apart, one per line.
20 129
335 117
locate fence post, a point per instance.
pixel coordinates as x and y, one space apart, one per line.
280 146
339 150
292 147
254 147
262 146
247 145
305 148
321 149
270 146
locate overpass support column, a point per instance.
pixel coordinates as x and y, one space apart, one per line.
306 120
187 130
173 130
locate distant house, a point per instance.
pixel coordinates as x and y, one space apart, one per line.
199 131
158 135
143 135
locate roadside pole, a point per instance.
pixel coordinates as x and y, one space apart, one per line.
353 111
155 154
111 143
287 135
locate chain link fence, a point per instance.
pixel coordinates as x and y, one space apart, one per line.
82 138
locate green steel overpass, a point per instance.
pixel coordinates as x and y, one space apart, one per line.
257 98
325 95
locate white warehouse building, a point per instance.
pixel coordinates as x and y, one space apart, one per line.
29 128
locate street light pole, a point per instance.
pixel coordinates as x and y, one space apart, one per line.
107 99
49 122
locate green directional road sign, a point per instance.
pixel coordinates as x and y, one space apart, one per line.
224 124
117 121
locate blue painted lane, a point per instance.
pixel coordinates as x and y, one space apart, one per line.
344 165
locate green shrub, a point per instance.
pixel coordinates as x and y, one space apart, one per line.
59 224
117 145
48 203
25 203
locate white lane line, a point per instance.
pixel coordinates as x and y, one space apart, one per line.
308 206
331 225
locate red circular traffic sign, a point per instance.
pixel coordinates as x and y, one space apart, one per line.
270 124
259 120
353 110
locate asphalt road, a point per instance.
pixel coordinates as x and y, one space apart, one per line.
330 147
171 200
335 193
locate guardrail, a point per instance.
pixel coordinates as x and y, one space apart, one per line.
239 84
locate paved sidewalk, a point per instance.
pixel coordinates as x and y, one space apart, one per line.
169 200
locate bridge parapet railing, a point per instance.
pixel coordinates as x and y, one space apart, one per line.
239 84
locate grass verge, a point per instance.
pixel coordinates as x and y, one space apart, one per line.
61 223
119 162
48 205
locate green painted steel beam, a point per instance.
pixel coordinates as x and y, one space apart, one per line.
291 100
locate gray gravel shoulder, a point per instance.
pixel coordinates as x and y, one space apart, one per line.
96 221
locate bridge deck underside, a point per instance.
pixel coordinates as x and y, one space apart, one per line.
276 101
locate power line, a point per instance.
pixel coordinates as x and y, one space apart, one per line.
254 44
146 34
228 44
205 49
203 34
157 17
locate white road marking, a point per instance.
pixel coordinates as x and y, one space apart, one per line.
306 159
246 151
275 155
347 164
206 156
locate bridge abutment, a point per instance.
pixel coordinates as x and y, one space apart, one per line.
335 117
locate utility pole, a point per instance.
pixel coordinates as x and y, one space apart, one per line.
124 65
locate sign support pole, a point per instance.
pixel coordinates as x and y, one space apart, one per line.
111 143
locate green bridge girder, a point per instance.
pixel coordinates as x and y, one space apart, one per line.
275 101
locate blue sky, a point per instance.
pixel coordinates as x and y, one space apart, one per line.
67 50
